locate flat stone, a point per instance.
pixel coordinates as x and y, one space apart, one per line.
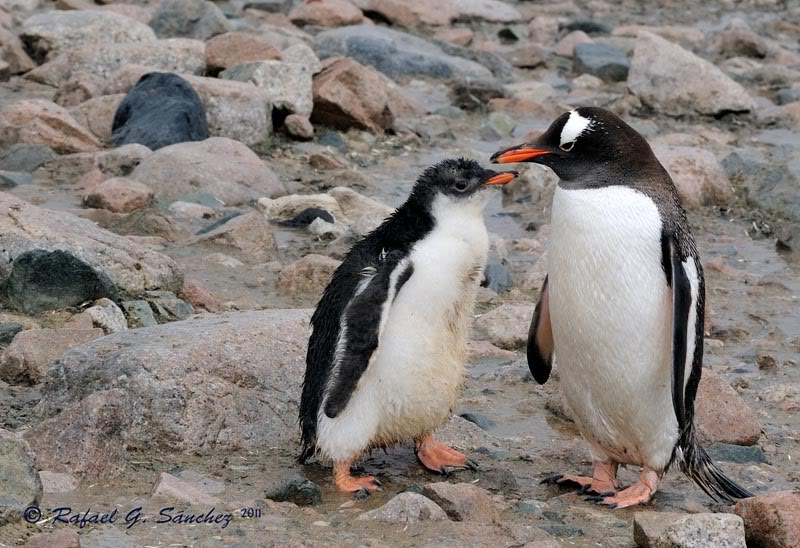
463 502
673 530
664 76
20 485
170 488
771 520
235 48
57 482
250 234
396 54
406 508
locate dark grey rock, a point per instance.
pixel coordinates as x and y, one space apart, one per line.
20 485
8 331
588 26
333 139
770 177
500 68
308 216
475 94
499 480
168 307
562 530
788 237
25 157
270 6
497 276
12 179
727 452
788 95
218 223
162 109
198 19
482 421
396 54
139 314
606 62
52 280
296 489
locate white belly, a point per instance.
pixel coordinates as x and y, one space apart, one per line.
416 373
610 309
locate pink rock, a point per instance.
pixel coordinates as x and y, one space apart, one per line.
412 13
566 46
234 48
41 122
299 127
29 356
120 195
771 520
308 275
348 94
196 294
455 35
97 115
78 88
326 13
722 415
58 538
697 174
251 234
13 53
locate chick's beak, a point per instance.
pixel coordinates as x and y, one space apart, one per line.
518 153
501 178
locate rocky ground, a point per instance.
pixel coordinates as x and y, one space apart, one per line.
159 266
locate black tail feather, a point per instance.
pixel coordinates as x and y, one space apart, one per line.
696 464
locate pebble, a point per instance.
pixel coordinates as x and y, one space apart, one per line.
463 502
296 489
406 508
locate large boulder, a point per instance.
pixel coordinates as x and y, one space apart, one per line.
675 81
396 54
348 94
47 34
216 383
20 485
162 109
41 122
771 520
198 19
131 268
222 167
697 174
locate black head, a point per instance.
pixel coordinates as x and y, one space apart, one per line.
582 142
458 179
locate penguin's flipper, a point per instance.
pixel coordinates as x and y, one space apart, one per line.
540 339
362 323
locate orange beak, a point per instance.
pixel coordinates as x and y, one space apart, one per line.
520 153
501 178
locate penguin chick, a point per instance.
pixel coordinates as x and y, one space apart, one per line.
621 307
385 360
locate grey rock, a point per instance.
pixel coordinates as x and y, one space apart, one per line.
606 62
672 530
11 179
475 94
664 76
8 331
478 419
286 85
198 19
493 11
47 34
108 316
108 536
727 452
507 325
199 385
170 488
20 485
168 307
58 482
463 501
24 157
789 237
139 314
52 280
783 97
270 6
589 26
296 489
406 508
396 54
500 68
770 177
222 167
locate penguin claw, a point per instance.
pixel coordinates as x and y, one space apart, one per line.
551 480
361 494
471 464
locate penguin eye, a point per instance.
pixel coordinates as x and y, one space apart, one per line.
461 185
566 147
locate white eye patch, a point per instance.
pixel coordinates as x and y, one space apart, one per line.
575 127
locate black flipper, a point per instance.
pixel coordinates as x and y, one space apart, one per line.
540 339
694 460
362 323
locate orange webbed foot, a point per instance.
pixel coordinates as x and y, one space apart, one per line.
345 481
438 457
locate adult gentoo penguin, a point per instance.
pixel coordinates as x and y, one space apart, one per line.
621 307
385 359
